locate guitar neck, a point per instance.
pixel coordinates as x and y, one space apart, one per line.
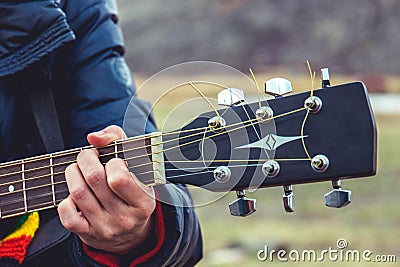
39 183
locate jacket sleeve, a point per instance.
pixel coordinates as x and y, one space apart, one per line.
92 88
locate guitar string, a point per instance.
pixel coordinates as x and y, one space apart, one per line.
312 77
258 88
206 99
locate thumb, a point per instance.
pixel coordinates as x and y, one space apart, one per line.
106 136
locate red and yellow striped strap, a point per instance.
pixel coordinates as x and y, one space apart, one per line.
14 246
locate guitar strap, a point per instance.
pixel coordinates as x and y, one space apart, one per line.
45 113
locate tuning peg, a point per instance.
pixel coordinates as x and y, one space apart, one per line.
230 97
278 87
288 198
242 206
325 78
337 198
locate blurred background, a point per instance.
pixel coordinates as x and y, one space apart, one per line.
356 39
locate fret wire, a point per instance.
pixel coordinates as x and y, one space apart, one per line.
24 185
52 179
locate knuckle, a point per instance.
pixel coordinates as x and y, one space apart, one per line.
94 177
78 194
118 180
107 233
125 223
69 224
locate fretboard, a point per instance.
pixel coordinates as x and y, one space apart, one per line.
39 183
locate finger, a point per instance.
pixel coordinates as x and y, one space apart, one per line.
95 176
125 184
106 136
80 192
71 218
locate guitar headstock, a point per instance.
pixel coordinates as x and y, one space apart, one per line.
290 140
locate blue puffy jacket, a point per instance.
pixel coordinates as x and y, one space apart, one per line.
77 47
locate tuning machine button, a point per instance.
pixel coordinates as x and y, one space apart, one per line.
271 168
222 174
242 206
277 87
216 123
320 163
313 104
337 198
264 114
288 198
230 97
325 78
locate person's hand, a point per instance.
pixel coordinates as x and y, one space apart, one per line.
108 208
